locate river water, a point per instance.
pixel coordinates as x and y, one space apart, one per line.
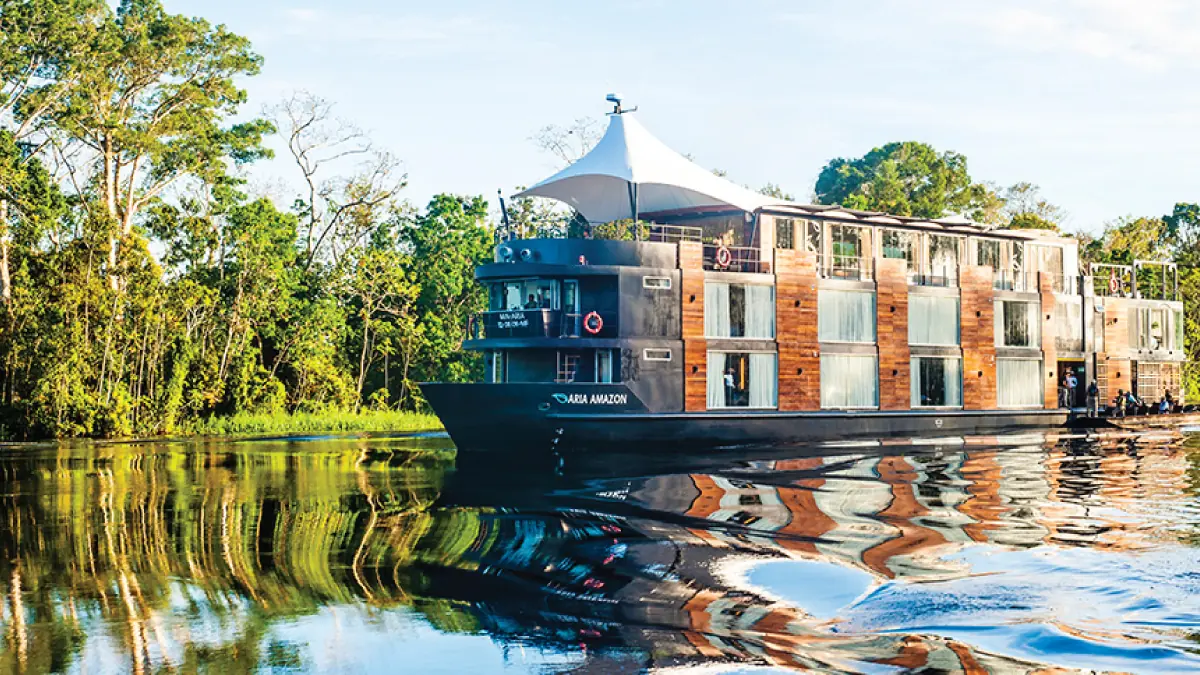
998 554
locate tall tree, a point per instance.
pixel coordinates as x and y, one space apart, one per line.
151 109
1025 208
907 179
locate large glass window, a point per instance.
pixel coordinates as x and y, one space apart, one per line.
1154 329
900 245
1017 324
849 381
936 382
1019 383
604 366
1047 258
933 320
987 252
1068 326
943 256
785 233
845 316
739 310
742 380
524 294
849 248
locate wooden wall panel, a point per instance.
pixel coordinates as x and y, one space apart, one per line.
1117 318
695 348
796 330
1049 351
891 307
978 337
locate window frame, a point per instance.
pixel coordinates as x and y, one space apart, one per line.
647 357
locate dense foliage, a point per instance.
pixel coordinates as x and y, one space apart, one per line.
144 290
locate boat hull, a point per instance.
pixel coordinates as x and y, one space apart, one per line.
572 418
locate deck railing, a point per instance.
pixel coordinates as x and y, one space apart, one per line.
1112 281
1020 281
740 259
852 267
945 276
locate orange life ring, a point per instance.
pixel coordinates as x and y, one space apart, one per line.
592 323
1113 284
724 257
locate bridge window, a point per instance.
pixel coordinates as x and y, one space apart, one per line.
656 354
524 294
657 283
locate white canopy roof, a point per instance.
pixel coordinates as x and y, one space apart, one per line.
627 164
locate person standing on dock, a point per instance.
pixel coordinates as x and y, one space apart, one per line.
1093 399
1072 384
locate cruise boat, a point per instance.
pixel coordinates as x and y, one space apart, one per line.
697 313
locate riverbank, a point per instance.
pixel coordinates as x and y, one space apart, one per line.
304 422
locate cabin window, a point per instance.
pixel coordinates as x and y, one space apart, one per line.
1068 326
742 380
845 316
525 294
657 283
1017 324
944 252
1047 258
849 248
604 366
1154 330
656 354
936 382
739 310
849 381
785 233
499 370
933 320
987 252
899 245
1019 383
812 236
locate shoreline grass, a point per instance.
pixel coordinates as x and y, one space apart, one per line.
313 422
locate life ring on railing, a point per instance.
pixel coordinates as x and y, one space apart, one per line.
1113 284
592 323
724 257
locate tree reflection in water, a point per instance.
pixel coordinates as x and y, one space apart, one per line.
187 557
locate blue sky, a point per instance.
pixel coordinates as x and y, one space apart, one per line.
1096 101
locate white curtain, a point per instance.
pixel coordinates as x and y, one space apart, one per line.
932 320
716 380
760 311
716 310
1018 324
763 381
849 381
845 316
1019 383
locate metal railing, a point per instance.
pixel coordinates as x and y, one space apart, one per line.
672 233
945 276
853 267
1011 280
1064 284
1112 281
740 259
1156 280
533 323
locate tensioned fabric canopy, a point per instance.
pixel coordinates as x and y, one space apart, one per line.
631 172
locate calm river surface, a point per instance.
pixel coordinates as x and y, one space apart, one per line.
1011 554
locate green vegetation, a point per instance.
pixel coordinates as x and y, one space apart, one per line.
242 424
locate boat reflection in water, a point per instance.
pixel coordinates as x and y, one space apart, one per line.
981 554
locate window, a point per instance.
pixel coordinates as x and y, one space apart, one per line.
943 256
849 248
812 236
899 244
499 367
988 253
525 294
1017 324
742 380
656 354
1019 383
933 320
604 366
1046 258
739 310
849 381
845 316
936 382
1154 330
657 283
785 233
1068 326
